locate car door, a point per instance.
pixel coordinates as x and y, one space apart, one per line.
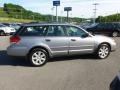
57 40
99 29
109 28
106 29
80 42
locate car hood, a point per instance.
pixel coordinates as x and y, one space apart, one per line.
6 28
101 39
100 36
9 28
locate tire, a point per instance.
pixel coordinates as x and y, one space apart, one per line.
2 33
38 57
115 34
103 51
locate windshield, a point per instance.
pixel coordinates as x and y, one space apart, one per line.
1 25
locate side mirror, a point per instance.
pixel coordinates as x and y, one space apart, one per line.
85 35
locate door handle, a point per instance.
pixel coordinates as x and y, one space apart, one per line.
48 40
73 40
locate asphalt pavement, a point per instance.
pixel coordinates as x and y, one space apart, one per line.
82 72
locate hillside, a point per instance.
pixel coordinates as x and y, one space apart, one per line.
19 14
3 13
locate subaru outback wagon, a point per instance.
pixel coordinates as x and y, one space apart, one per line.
39 42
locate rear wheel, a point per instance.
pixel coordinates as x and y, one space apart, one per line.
103 51
2 33
38 57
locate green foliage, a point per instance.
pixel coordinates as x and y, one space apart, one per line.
110 18
18 12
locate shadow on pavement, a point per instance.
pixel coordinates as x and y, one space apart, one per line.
6 60
76 57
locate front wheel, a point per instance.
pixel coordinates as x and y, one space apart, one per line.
115 34
38 57
103 51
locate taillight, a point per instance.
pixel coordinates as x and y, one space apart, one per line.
14 39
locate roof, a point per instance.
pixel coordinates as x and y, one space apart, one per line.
37 24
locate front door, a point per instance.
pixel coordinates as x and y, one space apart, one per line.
79 41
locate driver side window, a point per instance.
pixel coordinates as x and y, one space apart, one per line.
75 32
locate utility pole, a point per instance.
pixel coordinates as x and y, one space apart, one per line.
52 9
82 18
33 17
61 16
56 15
95 12
21 14
117 19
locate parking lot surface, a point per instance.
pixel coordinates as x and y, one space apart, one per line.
66 73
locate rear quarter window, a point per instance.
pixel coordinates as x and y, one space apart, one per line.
34 31
19 30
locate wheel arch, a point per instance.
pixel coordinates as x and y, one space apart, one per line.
97 50
1 30
41 47
104 43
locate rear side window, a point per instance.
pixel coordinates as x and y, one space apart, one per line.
116 25
34 31
100 26
56 31
19 30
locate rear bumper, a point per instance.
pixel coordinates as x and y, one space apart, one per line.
17 51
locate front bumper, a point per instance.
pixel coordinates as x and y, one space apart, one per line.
113 46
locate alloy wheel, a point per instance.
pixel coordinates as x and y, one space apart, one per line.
103 51
115 34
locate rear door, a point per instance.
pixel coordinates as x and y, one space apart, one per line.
57 40
100 29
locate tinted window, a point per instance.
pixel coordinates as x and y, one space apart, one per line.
74 31
56 31
116 25
100 26
110 26
34 31
1 25
105 26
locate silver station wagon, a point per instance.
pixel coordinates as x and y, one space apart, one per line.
39 42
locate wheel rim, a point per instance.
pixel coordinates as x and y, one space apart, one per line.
115 34
38 58
103 52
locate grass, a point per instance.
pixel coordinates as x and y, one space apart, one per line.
8 20
4 18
